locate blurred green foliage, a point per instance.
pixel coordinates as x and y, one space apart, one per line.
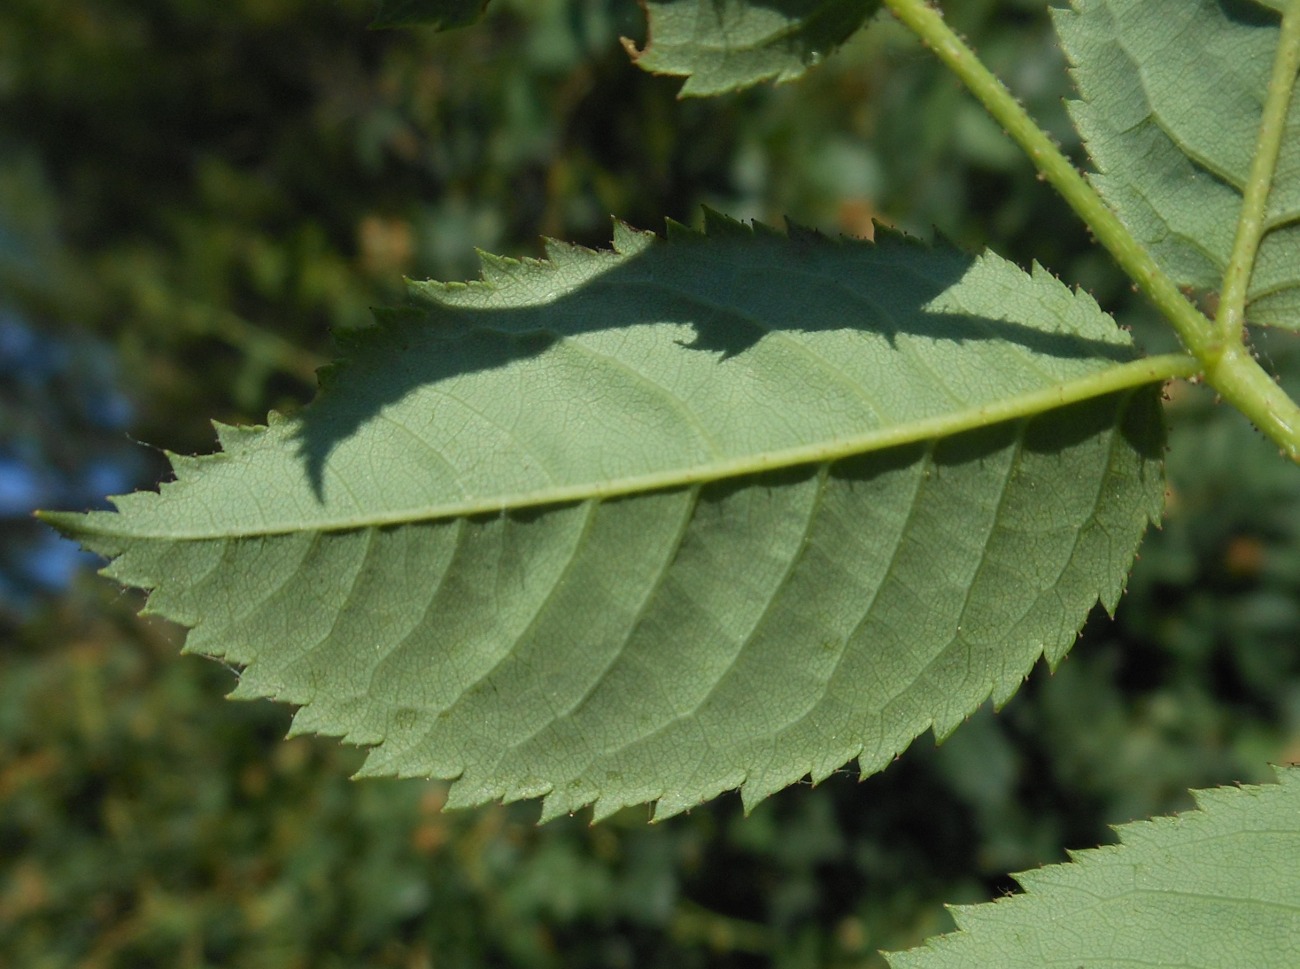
214 187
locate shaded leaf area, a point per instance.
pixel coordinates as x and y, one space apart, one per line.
725 45
1214 888
440 14
750 619
1171 103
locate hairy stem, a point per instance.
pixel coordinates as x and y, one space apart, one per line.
1242 382
1231 318
1228 367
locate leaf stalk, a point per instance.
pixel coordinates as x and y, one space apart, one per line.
1242 382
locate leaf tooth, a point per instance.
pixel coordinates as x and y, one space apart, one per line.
803 233
237 439
758 788
187 464
560 254
570 799
672 803
432 293
718 224
498 271
629 240
680 232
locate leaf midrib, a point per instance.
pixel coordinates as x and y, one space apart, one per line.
1112 379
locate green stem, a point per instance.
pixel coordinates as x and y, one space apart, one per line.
1231 318
1228 367
1242 382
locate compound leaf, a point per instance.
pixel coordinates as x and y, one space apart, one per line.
1172 99
649 524
1215 888
724 45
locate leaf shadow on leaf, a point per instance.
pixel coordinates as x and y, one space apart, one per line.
734 288
1250 12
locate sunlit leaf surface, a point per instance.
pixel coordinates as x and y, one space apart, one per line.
649 524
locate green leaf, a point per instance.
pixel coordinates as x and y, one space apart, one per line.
725 45
1172 101
1215 888
654 523
439 14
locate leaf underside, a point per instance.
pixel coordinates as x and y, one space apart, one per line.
1215 888
650 524
725 45
1172 99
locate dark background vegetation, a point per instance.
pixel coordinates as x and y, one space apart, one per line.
194 194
